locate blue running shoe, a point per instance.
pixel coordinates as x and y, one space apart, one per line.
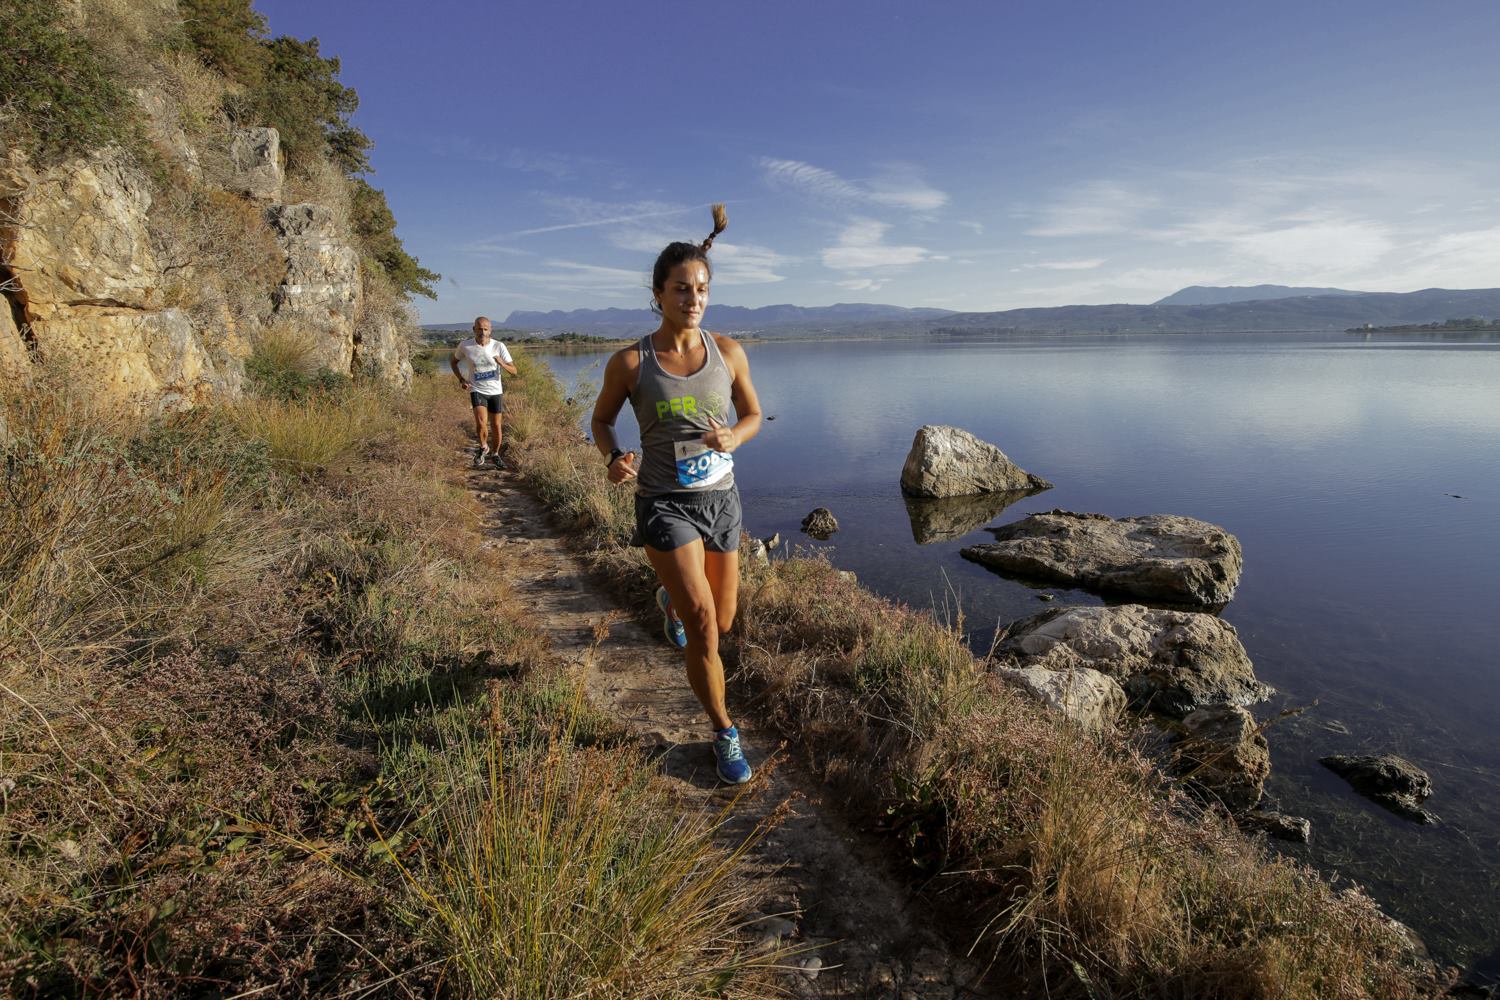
729 758
671 625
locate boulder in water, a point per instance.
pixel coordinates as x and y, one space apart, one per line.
949 461
820 523
1161 557
1397 784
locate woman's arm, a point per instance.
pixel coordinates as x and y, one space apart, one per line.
619 374
742 394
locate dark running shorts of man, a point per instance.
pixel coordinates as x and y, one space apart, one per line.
672 520
494 403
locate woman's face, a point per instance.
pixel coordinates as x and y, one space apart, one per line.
684 295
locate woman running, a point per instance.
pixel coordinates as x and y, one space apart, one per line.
681 381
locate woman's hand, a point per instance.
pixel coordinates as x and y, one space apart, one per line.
622 468
720 438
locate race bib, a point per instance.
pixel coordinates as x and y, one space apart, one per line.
698 465
486 376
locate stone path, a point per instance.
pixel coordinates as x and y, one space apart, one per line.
828 885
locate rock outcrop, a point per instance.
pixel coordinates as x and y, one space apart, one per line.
382 350
1159 557
948 461
1274 824
321 293
255 164
820 523
943 519
1086 696
1391 781
85 280
1224 756
1170 661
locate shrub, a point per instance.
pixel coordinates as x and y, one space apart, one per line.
303 99
309 436
283 366
229 36
54 85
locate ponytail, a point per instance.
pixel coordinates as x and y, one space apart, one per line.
721 222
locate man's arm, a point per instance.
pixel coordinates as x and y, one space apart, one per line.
453 363
503 359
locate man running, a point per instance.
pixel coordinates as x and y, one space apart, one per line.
477 362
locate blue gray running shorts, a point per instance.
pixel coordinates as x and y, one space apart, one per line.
671 520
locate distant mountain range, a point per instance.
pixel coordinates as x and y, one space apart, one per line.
1195 309
727 319
1301 312
1209 295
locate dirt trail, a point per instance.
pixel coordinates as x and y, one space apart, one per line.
827 884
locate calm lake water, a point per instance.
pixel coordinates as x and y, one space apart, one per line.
1360 473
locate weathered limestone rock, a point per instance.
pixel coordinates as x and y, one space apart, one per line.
382 350
255 161
1393 782
14 360
1086 696
321 293
820 523
1170 661
1162 557
1224 755
949 461
75 235
941 519
155 360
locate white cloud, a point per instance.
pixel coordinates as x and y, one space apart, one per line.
1331 247
898 186
1094 208
747 264
863 284
1066 265
861 245
572 276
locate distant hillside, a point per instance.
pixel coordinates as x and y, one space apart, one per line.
1210 295
723 318
1321 312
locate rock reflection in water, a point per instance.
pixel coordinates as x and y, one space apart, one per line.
947 518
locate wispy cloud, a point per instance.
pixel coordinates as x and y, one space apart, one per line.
862 245
573 276
1063 265
1093 209
897 186
864 284
598 214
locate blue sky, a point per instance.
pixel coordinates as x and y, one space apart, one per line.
972 156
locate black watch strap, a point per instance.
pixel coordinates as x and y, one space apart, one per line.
614 454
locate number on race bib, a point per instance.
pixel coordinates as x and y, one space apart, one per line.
699 466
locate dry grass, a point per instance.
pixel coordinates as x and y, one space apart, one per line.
1089 875
311 436
566 870
219 678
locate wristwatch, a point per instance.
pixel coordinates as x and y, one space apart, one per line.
614 454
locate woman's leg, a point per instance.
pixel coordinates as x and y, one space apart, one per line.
681 571
723 572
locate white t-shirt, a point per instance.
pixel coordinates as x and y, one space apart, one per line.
478 365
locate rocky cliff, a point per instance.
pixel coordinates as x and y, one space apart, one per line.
90 286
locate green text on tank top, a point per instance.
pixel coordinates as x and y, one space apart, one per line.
673 412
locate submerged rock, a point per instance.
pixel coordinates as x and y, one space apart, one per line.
820 523
948 461
1224 755
1275 824
1086 696
1397 784
1170 661
943 519
1162 557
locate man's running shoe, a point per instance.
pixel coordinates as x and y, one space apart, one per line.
480 456
499 463
729 758
671 625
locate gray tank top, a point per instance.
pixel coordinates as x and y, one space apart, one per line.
673 412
